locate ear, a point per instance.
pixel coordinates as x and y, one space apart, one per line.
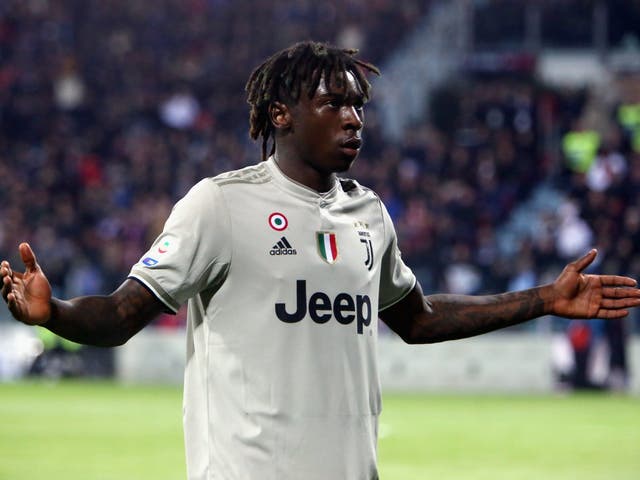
280 115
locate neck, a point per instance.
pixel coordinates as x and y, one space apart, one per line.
305 174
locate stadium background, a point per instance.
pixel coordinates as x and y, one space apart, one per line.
504 137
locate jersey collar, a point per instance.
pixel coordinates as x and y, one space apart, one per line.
296 188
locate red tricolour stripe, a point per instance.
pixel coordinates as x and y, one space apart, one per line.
334 247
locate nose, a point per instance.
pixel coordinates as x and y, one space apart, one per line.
352 118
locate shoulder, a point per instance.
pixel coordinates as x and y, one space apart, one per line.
362 195
369 200
354 189
216 192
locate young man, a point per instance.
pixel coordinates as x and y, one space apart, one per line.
286 269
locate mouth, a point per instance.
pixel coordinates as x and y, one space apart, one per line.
351 146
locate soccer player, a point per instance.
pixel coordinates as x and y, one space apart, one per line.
286 269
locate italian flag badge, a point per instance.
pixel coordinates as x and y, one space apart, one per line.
327 246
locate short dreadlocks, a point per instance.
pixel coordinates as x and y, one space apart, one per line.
284 76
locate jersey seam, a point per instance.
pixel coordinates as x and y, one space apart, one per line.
158 290
230 231
256 174
213 260
384 224
253 181
399 298
207 363
384 232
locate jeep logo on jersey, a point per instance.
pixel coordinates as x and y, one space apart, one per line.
345 308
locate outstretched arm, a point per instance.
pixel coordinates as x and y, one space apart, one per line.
574 294
107 320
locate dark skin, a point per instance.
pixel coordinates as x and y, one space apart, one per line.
315 139
101 320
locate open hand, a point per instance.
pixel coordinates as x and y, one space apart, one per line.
28 294
580 295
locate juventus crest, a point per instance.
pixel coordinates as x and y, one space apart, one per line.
365 238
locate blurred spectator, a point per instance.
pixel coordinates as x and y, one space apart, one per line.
581 340
616 339
573 234
580 147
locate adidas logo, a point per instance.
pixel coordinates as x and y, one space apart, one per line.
283 247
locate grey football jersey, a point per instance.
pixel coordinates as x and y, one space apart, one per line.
284 286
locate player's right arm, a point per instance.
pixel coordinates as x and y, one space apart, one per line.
102 320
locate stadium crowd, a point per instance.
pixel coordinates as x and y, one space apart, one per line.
110 111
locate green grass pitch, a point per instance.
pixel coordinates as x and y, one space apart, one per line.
105 431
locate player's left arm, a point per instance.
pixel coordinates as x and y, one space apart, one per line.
574 294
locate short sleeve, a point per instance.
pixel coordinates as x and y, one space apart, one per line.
192 254
396 278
